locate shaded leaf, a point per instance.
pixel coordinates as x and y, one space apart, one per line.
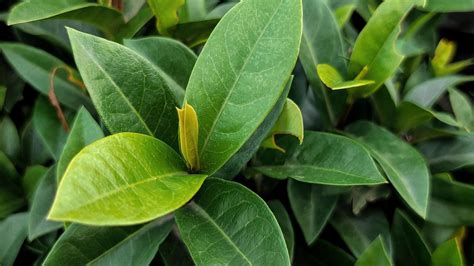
409 246
375 254
284 221
42 201
85 130
404 166
87 245
13 231
448 254
312 205
9 138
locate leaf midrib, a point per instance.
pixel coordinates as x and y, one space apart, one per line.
203 212
221 109
128 186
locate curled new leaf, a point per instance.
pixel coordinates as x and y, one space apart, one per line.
334 80
166 14
290 122
188 136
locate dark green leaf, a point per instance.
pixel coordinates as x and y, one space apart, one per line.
409 246
127 90
284 221
218 225
172 59
9 138
451 203
42 201
375 254
327 159
49 127
447 154
84 131
13 231
312 206
86 245
322 44
427 93
358 232
404 166
36 67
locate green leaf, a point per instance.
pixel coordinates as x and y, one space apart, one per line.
171 58
358 232
173 252
290 122
427 93
9 138
137 177
49 127
127 90
323 253
13 231
215 235
322 43
85 130
196 32
107 19
334 80
42 201
410 115
312 205
404 166
87 245
33 150
239 160
166 14
3 94
323 158
235 74
375 47
284 221
36 66
31 179
454 6
375 254
462 107
447 154
409 246
448 254
451 203
11 198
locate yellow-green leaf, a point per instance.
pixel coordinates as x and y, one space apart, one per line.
188 136
166 14
443 57
334 80
123 179
290 122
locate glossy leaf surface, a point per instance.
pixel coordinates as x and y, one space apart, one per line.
127 90
123 179
214 235
318 161
236 74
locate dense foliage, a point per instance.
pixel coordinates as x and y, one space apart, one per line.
259 132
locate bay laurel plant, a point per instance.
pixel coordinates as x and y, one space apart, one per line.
252 132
